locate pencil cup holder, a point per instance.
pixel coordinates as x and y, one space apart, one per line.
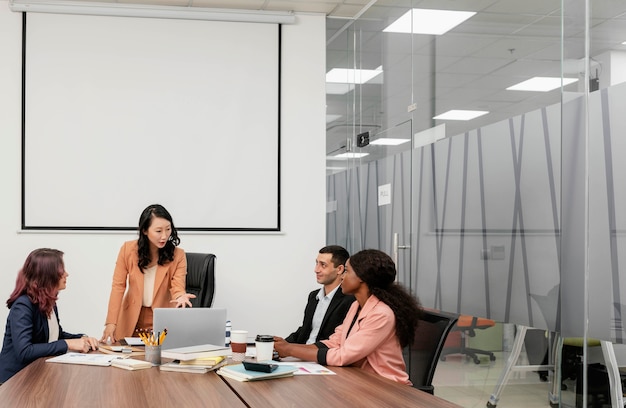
153 355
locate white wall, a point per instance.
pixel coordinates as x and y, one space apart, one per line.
261 279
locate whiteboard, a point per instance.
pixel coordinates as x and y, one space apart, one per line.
121 112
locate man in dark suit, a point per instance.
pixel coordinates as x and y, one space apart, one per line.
326 307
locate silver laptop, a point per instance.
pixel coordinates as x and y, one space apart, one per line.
191 326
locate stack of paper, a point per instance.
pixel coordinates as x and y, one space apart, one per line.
195 352
188 367
204 361
239 373
130 364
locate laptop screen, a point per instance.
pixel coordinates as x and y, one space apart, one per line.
191 326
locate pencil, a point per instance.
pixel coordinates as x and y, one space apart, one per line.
162 335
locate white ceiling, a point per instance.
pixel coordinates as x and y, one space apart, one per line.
507 41
471 66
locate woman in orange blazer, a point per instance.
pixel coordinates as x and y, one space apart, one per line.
154 269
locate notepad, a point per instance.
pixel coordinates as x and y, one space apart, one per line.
205 361
189 368
130 364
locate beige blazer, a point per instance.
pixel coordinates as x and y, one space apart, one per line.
125 305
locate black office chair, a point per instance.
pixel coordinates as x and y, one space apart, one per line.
201 278
422 357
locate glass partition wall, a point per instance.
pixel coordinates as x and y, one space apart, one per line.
483 154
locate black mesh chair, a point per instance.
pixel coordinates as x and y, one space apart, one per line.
201 278
422 357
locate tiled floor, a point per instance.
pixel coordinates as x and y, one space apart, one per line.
470 385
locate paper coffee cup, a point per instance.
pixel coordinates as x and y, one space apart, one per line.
238 344
264 347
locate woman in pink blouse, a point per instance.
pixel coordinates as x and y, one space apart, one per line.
378 325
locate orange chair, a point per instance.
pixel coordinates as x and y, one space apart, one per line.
468 325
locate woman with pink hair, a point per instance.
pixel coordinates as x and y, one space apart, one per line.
33 328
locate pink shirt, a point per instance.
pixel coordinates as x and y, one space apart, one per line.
372 343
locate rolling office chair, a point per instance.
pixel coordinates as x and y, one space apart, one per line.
201 278
604 382
468 325
422 357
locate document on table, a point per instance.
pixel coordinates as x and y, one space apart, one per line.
82 358
307 368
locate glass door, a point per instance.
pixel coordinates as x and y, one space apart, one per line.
369 139
369 198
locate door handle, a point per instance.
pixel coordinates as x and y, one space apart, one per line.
396 249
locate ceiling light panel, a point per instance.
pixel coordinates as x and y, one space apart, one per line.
428 21
389 141
349 155
541 84
458 114
352 76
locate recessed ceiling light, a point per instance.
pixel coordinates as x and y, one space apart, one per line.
428 21
389 141
349 155
457 114
541 84
624 43
352 76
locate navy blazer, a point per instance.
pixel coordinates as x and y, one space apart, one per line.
26 338
334 316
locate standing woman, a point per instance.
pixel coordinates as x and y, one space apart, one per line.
378 325
33 329
154 269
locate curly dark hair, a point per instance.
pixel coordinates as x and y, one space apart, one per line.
166 254
378 271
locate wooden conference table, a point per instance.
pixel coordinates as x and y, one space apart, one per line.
44 384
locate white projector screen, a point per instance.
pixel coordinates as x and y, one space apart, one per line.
121 113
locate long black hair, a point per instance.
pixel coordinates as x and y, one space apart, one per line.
378 271
166 254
